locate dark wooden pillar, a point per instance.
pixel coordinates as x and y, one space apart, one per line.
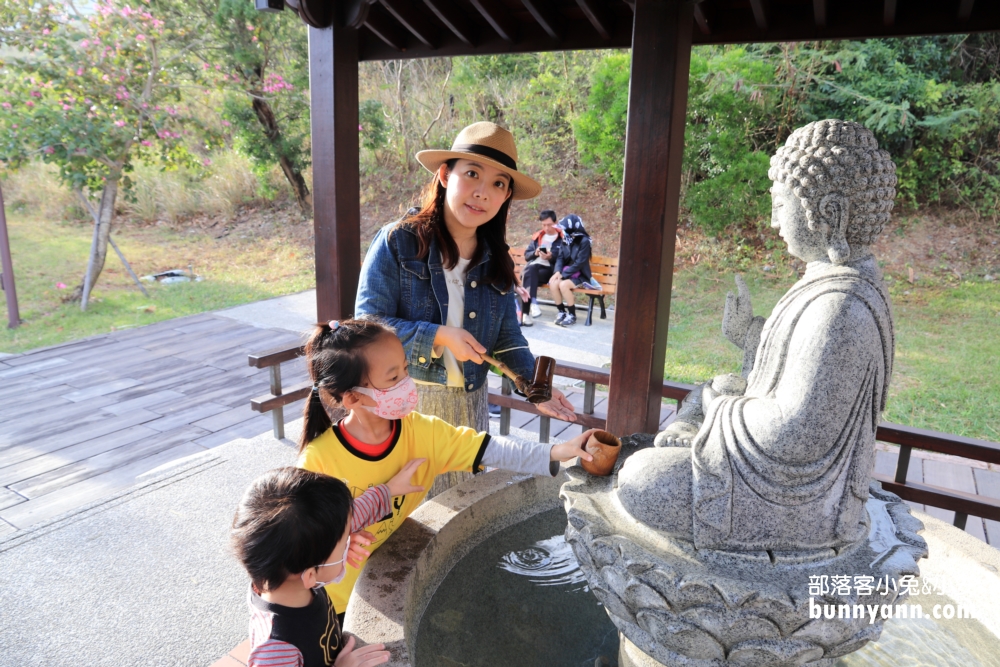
654 145
333 83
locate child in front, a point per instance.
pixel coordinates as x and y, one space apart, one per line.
360 365
291 533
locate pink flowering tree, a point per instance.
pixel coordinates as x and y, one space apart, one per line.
261 61
92 93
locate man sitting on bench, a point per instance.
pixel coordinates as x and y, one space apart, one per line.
572 269
545 246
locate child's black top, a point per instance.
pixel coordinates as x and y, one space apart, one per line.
283 636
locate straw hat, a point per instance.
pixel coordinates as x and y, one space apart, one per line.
488 143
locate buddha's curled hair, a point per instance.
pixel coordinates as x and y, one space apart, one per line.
843 157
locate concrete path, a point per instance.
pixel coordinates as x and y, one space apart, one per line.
142 577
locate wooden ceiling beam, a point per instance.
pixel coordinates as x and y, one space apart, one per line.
889 15
599 16
453 18
413 20
759 13
385 28
965 9
498 17
819 13
546 16
701 20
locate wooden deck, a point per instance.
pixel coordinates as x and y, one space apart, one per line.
952 473
84 420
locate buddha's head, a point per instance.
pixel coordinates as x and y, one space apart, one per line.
833 190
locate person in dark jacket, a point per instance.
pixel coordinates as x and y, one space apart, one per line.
572 269
540 255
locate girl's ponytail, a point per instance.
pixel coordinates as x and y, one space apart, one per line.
336 365
315 419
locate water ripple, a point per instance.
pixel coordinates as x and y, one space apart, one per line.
547 563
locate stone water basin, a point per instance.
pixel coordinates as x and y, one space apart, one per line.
481 576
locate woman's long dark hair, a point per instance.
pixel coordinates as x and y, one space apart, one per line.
428 223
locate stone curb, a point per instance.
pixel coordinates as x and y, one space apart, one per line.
401 577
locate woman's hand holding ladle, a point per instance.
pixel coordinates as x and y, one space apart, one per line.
462 344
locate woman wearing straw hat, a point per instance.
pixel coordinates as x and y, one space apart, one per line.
443 278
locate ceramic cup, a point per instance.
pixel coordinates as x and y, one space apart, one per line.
605 448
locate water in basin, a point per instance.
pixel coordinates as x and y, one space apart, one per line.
519 598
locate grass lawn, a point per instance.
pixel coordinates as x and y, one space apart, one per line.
946 376
46 252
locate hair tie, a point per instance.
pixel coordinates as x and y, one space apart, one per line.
316 387
333 324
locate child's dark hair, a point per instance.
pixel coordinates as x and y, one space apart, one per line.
288 521
547 214
336 365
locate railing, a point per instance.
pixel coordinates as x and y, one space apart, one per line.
591 377
963 504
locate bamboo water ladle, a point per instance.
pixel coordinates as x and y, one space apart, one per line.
539 388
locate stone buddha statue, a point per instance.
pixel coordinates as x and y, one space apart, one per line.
781 457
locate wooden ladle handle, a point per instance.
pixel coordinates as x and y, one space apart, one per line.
519 381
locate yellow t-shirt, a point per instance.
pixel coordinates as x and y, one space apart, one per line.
418 436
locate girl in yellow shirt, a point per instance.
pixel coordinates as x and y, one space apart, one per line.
360 365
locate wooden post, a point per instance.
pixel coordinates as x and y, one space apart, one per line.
333 82
654 145
7 272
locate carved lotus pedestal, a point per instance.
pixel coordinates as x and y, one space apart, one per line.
676 605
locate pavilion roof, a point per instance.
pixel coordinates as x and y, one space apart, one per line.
394 29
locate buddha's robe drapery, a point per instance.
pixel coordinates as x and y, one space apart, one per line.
787 465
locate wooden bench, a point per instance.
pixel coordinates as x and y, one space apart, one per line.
605 273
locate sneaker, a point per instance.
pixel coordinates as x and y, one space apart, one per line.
526 320
569 320
494 409
560 317
535 310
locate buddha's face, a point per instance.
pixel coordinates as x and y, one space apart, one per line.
789 217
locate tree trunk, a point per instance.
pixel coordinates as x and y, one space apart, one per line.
99 249
265 115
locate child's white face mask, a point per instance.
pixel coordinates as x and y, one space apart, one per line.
395 402
343 570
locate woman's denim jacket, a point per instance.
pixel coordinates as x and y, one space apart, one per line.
411 295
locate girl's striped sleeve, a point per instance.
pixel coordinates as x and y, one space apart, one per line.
371 507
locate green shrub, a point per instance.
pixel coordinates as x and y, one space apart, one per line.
374 129
600 129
